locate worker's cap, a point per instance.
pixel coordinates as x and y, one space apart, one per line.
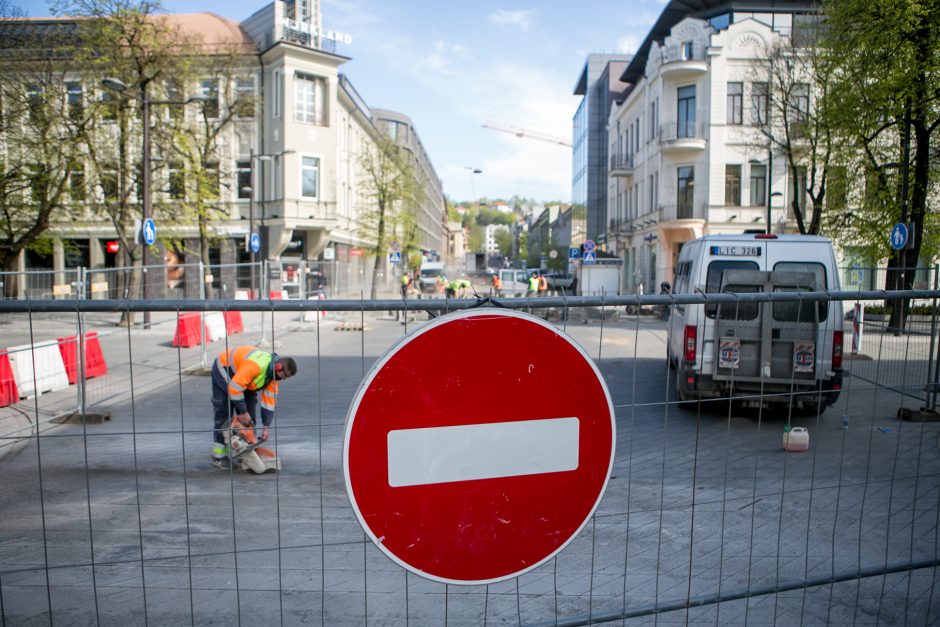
285 367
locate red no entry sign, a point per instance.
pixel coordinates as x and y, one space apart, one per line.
479 446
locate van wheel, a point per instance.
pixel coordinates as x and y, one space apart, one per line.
687 402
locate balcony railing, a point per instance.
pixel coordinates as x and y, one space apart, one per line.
677 212
683 52
673 132
621 164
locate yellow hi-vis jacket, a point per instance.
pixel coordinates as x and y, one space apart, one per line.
248 368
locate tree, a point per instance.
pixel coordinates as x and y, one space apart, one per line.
43 122
788 100
392 190
197 141
132 42
885 96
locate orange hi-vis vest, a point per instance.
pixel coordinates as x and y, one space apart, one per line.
248 368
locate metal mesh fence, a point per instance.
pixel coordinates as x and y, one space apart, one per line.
705 518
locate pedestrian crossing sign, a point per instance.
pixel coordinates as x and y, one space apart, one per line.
590 257
394 256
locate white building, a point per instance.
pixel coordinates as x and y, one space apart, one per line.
686 154
489 238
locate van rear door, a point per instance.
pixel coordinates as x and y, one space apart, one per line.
774 342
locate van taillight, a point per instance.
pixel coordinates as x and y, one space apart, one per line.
837 338
765 236
688 342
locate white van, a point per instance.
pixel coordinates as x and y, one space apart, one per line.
515 281
757 350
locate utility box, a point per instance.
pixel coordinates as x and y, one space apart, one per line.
600 278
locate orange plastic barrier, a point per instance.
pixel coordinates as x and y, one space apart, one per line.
233 322
8 392
95 365
277 295
187 330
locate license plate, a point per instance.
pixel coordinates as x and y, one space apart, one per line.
735 251
729 353
804 356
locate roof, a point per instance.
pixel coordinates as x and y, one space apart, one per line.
677 10
214 32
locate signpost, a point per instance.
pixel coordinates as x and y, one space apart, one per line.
470 491
149 232
899 235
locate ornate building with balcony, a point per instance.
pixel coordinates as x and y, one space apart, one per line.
686 153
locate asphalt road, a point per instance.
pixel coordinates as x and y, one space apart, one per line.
127 523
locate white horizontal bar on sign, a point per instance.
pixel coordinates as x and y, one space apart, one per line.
482 451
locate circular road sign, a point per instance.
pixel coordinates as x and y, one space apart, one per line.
898 237
467 469
553 253
254 242
589 246
149 230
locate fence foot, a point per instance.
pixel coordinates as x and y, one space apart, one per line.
918 415
86 418
198 371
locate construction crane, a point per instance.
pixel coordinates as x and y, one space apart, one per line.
521 132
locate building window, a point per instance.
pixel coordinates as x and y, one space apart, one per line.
733 185
243 178
210 88
688 51
686 112
654 120
798 108
174 94
76 181
685 191
245 97
211 180
276 96
760 104
109 184
837 188
34 100
796 186
75 100
308 99
735 103
758 185
109 105
310 177
176 180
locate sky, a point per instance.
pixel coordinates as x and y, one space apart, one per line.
451 66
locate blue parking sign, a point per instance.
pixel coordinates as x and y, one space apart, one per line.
574 253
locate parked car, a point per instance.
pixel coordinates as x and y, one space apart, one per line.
560 281
770 352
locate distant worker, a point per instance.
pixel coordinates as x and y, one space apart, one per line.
462 286
543 285
441 283
497 285
239 375
533 288
450 288
405 284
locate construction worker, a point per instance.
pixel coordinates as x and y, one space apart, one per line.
405 284
533 288
497 285
239 375
543 285
464 286
450 289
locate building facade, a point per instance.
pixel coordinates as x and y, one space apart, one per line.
599 85
290 165
687 153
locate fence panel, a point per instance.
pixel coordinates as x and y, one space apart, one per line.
705 518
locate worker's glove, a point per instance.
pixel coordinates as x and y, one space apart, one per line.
264 434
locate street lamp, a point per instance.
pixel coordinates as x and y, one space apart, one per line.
116 84
473 171
251 202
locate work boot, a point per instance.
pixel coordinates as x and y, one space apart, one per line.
222 462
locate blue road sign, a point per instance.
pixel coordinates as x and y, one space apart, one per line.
898 238
149 230
574 253
395 247
590 257
394 257
254 242
589 246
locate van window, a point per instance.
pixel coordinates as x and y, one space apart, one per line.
520 277
816 269
713 278
740 310
795 310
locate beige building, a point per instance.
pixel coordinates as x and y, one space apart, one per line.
293 162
